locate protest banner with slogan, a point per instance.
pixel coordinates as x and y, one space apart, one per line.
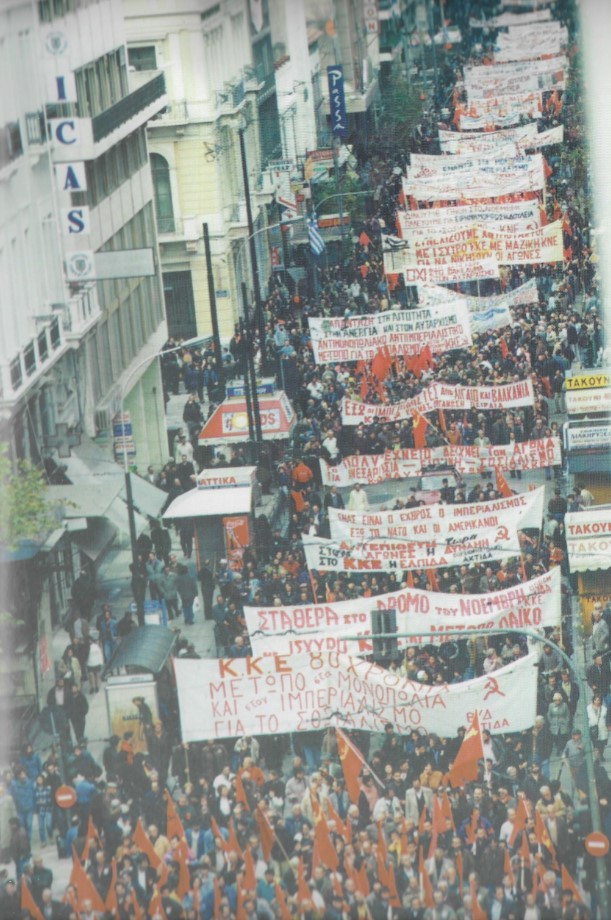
589 538
482 74
476 142
371 468
435 522
474 183
543 139
510 19
424 166
403 262
278 694
498 87
441 396
323 627
527 104
399 555
360 338
524 294
508 218
480 242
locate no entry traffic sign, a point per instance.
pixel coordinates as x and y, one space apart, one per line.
596 844
65 796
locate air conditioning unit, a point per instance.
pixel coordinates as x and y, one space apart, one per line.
102 420
191 246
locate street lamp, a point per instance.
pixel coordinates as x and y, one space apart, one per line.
593 803
190 343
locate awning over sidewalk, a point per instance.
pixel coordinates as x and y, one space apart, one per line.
146 648
96 539
210 502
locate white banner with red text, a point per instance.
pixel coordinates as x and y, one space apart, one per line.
403 262
278 694
508 218
401 464
360 338
526 293
426 248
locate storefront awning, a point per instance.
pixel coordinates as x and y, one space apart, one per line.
229 422
146 648
588 535
210 502
94 541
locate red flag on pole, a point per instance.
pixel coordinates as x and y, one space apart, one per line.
173 823
27 901
502 486
431 575
232 841
409 581
425 882
507 870
464 768
323 847
249 880
86 890
240 794
91 836
419 426
145 846
503 348
352 762
303 891
568 883
477 913
285 913
266 833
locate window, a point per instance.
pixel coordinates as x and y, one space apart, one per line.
163 193
144 58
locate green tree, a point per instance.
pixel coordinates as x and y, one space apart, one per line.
402 113
25 512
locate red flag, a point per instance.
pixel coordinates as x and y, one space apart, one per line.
363 270
285 913
111 895
145 846
333 816
524 849
249 881
431 575
181 855
425 882
173 823
442 421
439 825
239 901
446 808
381 364
266 833
364 240
85 888
361 880
352 763
217 833
91 836
502 486
232 841
503 348
476 911
419 425
323 847
542 216
464 768
28 902
410 579
401 198
544 838
240 795
303 891
566 882
547 169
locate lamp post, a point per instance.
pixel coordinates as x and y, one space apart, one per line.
593 803
128 482
253 252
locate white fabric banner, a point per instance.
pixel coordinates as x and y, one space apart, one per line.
323 627
440 396
481 75
524 294
582 401
371 468
498 87
508 218
426 166
403 262
426 248
589 538
526 103
544 139
482 142
510 19
490 319
473 183
401 331
225 698
436 522
400 556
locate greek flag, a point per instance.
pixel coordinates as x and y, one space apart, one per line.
317 244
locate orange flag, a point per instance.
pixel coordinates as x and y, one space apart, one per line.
324 851
250 882
431 575
111 895
362 882
217 833
464 768
184 879
476 911
421 820
425 882
145 846
502 486
566 881
28 902
85 888
525 850
409 581
446 808
173 823
520 821
91 836
266 833
240 794
285 913
135 909
503 348
239 901
544 838
442 421
303 891
352 763
419 426
333 816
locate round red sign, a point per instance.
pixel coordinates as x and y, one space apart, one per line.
596 844
65 796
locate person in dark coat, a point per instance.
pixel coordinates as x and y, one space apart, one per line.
77 707
83 595
206 580
187 591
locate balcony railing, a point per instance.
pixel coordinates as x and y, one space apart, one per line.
35 128
106 122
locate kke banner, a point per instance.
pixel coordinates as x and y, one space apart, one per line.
323 627
434 523
508 218
399 555
224 698
524 294
441 396
446 272
371 468
478 242
402 331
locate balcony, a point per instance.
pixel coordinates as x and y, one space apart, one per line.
127 108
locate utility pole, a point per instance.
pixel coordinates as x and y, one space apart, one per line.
250 378
253 254
220 370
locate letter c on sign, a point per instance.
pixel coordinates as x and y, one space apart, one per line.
61 128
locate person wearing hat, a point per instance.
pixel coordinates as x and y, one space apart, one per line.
10 901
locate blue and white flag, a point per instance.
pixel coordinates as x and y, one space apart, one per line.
317 244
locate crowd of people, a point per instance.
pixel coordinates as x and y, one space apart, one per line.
266 827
